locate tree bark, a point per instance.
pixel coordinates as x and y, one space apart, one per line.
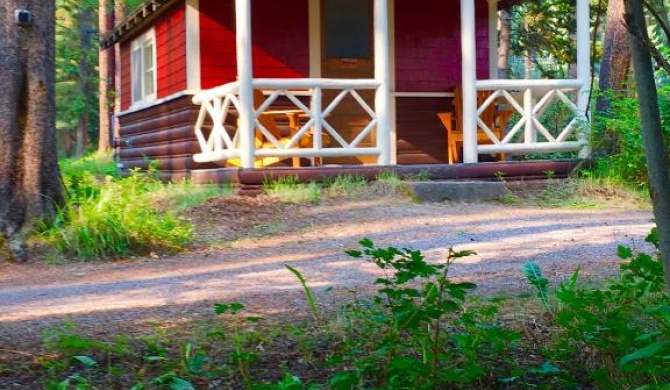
106 66
615 64
650 118
87 88
30 184
504 48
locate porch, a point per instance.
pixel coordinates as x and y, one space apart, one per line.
229 122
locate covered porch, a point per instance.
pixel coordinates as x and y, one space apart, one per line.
231 126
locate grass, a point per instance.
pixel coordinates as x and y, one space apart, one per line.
108 216
575 193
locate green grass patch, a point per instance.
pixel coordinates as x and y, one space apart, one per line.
108 216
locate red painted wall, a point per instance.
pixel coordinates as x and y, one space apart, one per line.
280 34
170 52
428 44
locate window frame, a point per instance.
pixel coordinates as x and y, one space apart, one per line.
139 44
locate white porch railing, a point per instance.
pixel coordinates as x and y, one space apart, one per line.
222 141
531 99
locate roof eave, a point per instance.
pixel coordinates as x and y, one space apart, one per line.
146 12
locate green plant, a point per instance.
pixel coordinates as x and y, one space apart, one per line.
307 290
346 185
115 218
623 327
290 189
418 332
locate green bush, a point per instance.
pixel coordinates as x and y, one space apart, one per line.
617 336
629 164
109 216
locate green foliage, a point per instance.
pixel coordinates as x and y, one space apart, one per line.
290 189
419 330
107 216
629 164
307 290
622 330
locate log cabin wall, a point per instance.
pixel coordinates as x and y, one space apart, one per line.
161 135
428 59
170 29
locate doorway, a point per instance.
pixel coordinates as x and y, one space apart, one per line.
347 52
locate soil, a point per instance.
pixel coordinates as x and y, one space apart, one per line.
243 244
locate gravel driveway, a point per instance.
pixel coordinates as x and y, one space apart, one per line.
248 266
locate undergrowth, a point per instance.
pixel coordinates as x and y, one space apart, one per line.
419 330
109 216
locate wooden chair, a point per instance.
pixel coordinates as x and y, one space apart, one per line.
269 119
495 119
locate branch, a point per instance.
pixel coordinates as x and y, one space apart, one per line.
659 18
653 50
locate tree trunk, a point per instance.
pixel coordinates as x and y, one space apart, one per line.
106 66
650 118
87 88
30 184
615 63
503 49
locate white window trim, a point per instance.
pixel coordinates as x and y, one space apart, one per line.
140 42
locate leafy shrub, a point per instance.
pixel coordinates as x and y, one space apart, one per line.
109 216
619 335
629 164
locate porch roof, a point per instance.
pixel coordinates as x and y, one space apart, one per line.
150 9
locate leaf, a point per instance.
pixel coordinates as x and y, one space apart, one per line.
624 252
650 350
180 384
366 243
86 361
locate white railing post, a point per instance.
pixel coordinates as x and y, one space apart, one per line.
530 136
317 114
583 67
469 81
247 119
383 76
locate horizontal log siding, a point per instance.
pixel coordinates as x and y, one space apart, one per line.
421 136
428 44
162 133
280 31
170 52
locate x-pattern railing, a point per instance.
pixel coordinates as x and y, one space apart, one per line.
216 105
531 99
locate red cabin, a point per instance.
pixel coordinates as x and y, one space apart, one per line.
218 85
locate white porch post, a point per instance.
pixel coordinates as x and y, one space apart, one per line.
469 81
383 76
583 65
247 119
493 39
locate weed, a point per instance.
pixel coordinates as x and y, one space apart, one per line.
290 189
346 185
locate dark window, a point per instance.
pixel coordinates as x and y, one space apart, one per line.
348 29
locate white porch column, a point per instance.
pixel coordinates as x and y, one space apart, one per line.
247 120
383 76
469 81
493 39
583 64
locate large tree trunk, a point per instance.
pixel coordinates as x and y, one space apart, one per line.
650 118
30 184
615 63
87 88
106 67
614 70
